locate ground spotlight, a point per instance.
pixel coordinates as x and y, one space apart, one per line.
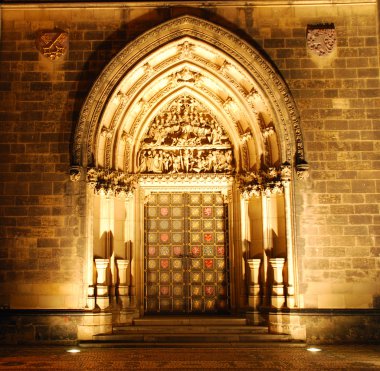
313 349
73 350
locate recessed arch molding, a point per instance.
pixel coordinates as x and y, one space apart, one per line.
249 102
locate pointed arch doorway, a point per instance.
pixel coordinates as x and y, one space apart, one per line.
186 244
189 113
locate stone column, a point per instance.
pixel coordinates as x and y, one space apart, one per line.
123 288
267 240
290 289
90 248
102 298
254 284
278 297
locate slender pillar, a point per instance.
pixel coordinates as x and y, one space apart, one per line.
130 242
246 227
267 240
245 238
290 288
278 297
254 299
90 249
123 288
102 298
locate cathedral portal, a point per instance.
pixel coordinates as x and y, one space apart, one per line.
189 142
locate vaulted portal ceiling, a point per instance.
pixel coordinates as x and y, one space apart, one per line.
234 93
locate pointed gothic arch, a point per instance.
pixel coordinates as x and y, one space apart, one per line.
242 79
244 98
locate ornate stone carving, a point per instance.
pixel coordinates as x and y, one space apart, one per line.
302 169
185 138
186 50
75 173
245 137
148 69
185 76
252 95
228 105
268 182
119 97
111 182
52 44
106 132
268 131
217 38
126 137
225 66
286 172
321 38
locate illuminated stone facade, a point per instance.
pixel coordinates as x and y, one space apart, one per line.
271 111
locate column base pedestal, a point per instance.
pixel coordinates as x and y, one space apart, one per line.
278 302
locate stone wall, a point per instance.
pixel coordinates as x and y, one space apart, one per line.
51 327
43 233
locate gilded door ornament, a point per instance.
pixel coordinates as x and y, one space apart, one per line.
52 44
186 253
321 39
185 138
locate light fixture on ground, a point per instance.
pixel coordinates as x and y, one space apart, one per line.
313 349
73 350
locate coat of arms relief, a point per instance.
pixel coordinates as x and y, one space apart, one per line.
52 44
321 39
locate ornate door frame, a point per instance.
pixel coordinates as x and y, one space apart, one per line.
208 183
243 92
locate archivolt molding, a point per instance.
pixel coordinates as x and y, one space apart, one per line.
237 65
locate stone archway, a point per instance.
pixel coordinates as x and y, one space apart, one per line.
247 102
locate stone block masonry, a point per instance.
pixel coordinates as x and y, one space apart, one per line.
42 225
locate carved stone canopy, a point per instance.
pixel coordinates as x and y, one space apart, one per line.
185 137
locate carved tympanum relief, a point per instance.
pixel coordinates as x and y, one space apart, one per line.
185 138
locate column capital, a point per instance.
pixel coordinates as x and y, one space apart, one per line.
122 263
254 263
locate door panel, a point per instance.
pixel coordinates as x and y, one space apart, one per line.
186 265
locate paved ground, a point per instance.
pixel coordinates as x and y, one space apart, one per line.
192 358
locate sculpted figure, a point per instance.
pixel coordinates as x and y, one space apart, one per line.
176 164
167 162
143 163
149 161
186 160
157 162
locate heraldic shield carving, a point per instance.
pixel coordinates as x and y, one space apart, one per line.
52 43
185 138
321 39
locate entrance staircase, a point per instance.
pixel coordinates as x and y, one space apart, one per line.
188 331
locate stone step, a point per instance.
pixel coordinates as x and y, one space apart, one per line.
187 338
214 329
177 331
180 321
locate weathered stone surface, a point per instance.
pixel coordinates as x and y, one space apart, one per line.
43 238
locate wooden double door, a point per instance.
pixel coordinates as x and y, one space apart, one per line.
186 267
